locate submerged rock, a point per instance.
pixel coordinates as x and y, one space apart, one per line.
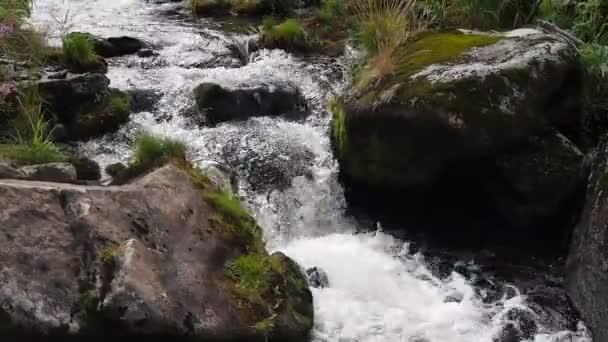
480 104
317 278
150 257
219 104
586 267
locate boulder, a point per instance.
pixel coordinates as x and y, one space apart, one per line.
466 108
65 97
86 168
586 267
219 104
143 100
157 256
9 171
50 172
524 185
221 176
490 94
317 278
113 46
116 169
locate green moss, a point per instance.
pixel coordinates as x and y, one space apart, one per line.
428 49
104 116
233 220
150 149
338 129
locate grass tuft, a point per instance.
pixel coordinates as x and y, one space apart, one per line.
288 34
150 149
251 272
78 50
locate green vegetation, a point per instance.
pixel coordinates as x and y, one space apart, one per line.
209 7
332 12
120 105
30 142
232 219
288 34
252 273
78 50
265 327
150 149
246 6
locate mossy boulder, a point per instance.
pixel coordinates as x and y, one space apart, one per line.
287 35
454 99
210 8
105 115
112 46
155 257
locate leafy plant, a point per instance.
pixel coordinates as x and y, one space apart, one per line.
120 105
591 21
150 149
265 327
594 58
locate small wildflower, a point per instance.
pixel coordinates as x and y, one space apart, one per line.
6 30
8 89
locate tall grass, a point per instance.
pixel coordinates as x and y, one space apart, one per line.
594 58
78 50
31 141
383 27
150 149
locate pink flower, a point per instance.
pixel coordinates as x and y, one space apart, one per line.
6 30
8 89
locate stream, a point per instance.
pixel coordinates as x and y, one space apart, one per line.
381 288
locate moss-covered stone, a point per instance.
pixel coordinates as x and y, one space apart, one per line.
106 115
287 35
452 97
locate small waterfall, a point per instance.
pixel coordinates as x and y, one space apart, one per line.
380 290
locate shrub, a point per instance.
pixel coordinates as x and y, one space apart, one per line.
78 50
591 21
150 149
332 11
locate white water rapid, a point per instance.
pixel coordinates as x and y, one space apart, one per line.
379 290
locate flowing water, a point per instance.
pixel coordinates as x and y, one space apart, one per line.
380 288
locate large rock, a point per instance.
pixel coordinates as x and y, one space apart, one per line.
587 266
219 104
150 257
466 102
50 172
65 97
113 46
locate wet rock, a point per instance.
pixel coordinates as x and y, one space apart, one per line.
51 172
116 170
221 176
219 104
509 333
9 171
150 281
145 53
86 168
64 97
59 133
317 278
58 75
113 46
492 108
143 100
586 268
524 187
211 8
524 321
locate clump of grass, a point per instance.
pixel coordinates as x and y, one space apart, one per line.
591 21
251 272
150 149
288 34
594 58
120 105
234 220
31 142
332 11
265 327
78 50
